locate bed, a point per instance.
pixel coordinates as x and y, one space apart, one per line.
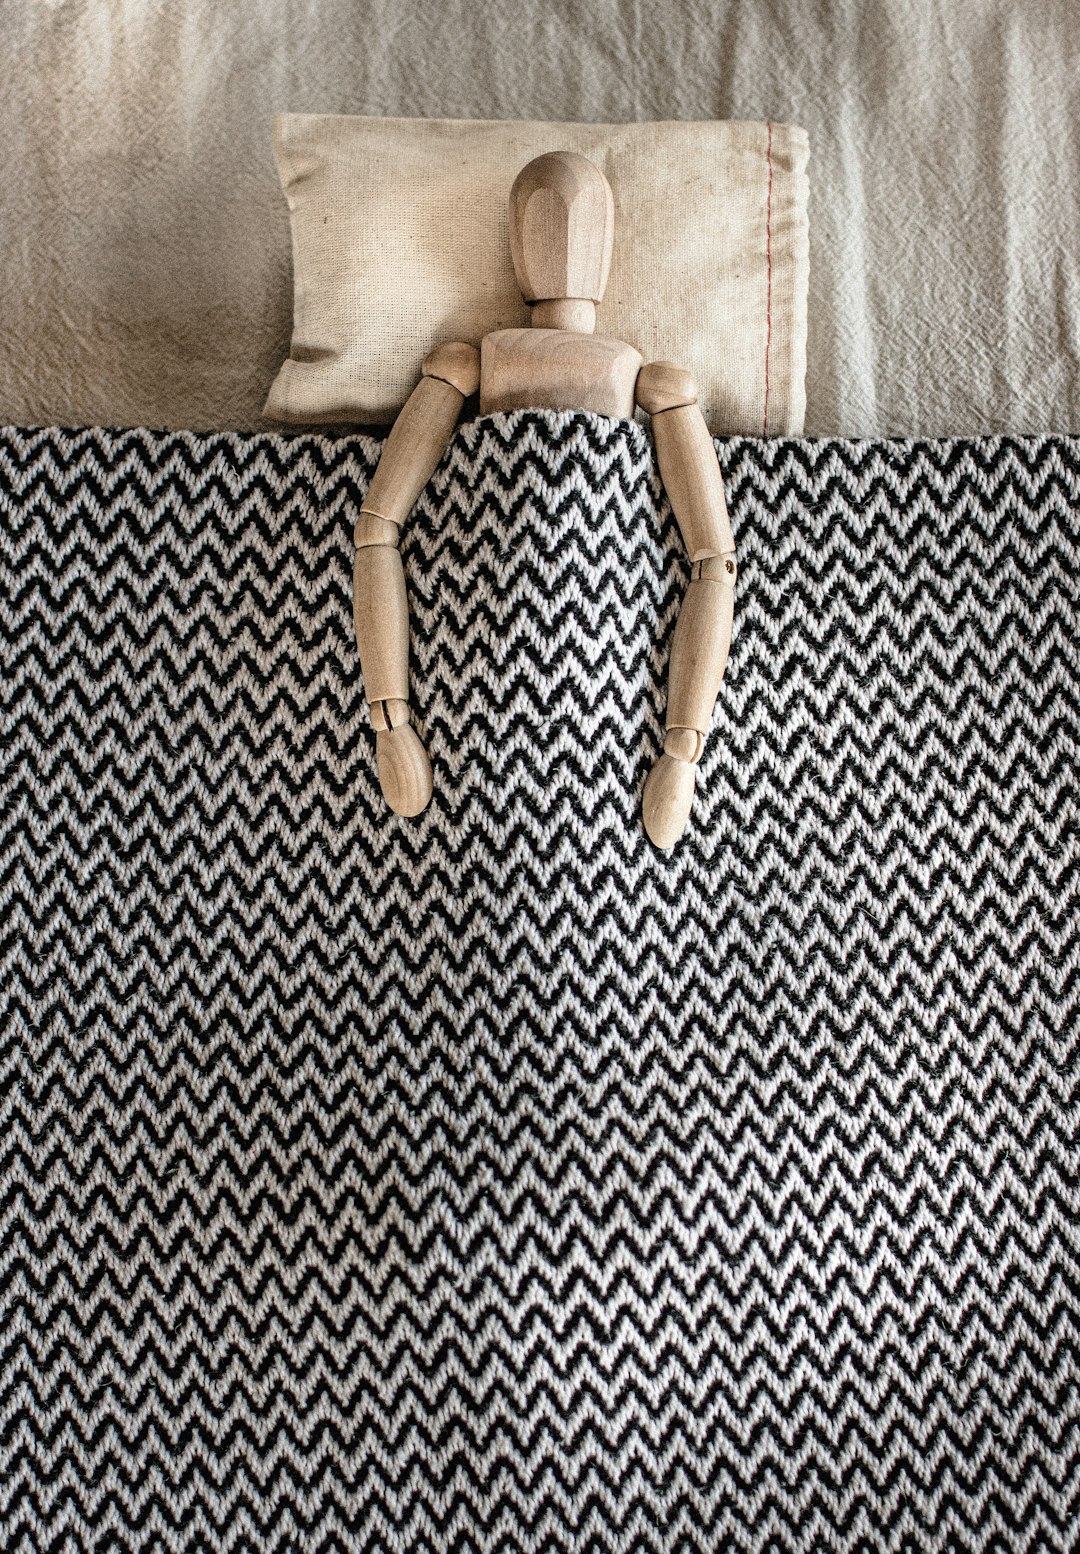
493 1181
145 244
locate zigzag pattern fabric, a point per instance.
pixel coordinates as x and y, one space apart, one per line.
492 1181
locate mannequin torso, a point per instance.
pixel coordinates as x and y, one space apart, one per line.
557 369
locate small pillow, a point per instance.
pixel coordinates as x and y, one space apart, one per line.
400 242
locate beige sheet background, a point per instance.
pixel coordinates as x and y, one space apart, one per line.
144 241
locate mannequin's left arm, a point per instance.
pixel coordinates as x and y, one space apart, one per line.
691 476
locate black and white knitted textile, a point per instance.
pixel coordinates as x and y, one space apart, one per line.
491 1181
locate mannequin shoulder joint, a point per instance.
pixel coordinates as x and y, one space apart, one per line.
455 362
664 386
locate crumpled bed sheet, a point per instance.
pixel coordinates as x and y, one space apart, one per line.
144 242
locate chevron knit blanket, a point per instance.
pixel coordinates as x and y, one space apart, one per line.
492 1181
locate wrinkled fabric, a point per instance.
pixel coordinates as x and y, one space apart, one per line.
144 241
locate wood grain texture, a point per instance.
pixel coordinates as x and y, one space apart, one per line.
699 653
370 529
691 475
456 362
555 369
411 453
667 800
685 744
562 225
573 313
664 386
404 770
389 714
381 621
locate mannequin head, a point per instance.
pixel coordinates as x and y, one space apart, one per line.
562 222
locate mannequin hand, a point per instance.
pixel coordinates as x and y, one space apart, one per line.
404 769
669 793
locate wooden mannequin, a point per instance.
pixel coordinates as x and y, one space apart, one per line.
561 230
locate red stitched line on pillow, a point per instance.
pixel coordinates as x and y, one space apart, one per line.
768 283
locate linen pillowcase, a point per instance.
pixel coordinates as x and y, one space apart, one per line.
400 242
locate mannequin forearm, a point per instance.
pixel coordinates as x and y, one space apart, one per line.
381 611
699 651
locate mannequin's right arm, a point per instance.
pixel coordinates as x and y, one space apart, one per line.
412 451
